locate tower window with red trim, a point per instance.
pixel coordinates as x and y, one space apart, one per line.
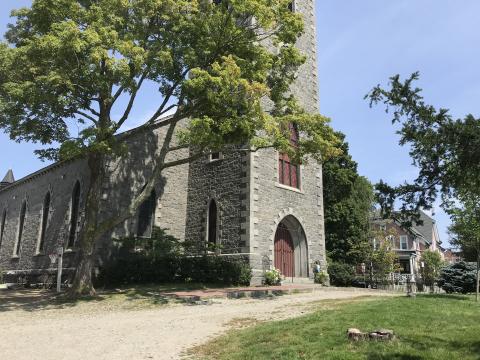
288 169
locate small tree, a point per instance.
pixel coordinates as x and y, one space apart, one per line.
465 231
348 202
458 278
380 259
384 261
432 262
223 67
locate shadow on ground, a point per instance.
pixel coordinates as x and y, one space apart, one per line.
36 299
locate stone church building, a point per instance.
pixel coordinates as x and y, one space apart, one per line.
256 206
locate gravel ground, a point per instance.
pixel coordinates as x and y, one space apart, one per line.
132 329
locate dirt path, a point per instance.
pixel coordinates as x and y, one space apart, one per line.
98 331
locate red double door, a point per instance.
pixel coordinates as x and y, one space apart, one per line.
283 251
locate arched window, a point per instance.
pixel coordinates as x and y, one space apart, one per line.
21 225
291 6
2 225
74 212
146 215
212 223
44 223
288 170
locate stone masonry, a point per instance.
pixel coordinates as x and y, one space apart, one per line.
251 202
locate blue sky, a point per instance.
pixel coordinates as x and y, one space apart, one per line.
361 44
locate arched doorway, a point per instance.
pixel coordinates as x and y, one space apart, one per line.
284 255
290 248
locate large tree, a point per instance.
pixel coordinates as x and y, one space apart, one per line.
348 202
465 231
78 61
444 149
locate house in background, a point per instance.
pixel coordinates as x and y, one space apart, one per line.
408 243
451 256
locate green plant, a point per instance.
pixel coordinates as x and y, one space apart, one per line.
165 259
458 278
211 66
272 277
321 277
321 335
341 274
432 262
245 274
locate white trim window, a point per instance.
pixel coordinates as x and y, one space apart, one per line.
403 242
215 156
375 244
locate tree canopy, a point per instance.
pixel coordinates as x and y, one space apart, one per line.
225 66
445 150
348 202
73 61
465 230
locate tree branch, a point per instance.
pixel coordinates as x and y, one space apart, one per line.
91 118
183 161
130 102
167 98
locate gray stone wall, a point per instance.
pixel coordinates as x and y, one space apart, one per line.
223 181
127 175
271 202
306 86
244 185
59 180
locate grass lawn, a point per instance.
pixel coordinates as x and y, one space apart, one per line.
427 327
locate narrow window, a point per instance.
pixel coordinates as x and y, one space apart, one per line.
43 225
212 223
2 225
375 245
291 6
146 214
20 228
403 242
214 156
74 212
288 170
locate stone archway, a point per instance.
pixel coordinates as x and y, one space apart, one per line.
290 248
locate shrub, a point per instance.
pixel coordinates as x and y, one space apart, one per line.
162 259
321 277
458 278
433 263
341 274
272 277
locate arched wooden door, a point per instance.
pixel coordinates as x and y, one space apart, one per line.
284 256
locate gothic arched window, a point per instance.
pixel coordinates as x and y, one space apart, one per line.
212 223
21 226
288 170
44 223
2 225
291 6
146 215
74 213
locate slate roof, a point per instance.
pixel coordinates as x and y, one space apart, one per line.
9 178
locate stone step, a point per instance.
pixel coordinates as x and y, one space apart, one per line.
296 280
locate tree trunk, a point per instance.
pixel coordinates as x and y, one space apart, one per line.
82 283
94 227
